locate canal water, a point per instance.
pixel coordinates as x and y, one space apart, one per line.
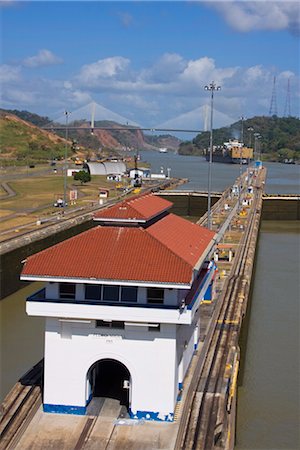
268 399
268 405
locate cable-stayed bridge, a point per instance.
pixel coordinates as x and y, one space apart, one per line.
194 121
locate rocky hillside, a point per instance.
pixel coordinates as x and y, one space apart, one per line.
21 140
115 137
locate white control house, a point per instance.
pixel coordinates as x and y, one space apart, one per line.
121 303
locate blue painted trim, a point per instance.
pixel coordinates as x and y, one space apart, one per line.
208 293
64 409
190 306
150 415
180 386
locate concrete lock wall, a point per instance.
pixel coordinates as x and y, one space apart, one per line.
72 348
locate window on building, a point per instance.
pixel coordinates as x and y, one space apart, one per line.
113 324
111 293
67 290
154 327
129 294
93 291
155 295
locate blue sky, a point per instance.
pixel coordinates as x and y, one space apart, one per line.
148 62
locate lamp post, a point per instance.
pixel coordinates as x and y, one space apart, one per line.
251 130
241 158
66 155
212 87
256 137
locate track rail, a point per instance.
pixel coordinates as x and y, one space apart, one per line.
204 422
19 407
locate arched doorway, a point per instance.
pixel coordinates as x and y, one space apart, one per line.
109 378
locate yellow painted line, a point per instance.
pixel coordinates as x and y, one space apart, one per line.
229 322
205 302
234 379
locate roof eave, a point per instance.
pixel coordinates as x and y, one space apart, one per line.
142 283
204 254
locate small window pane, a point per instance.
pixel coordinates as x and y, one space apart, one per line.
129 294
155 295
93 291
67 290
111 293
154 327
114 324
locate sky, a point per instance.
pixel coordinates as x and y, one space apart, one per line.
147 63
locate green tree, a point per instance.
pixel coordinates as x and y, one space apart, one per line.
83 176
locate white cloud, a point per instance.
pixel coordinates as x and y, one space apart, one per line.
246 16
43 58
203 70
170 91
166 69
126 19
9 73
93 74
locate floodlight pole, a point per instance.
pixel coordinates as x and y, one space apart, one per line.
211 87
241 160
66 155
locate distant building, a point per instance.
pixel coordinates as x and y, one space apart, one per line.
141 172
121 304
106 168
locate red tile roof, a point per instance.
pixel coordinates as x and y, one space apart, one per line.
184 238
165 252
141 208
110 253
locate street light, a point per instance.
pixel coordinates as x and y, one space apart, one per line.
256 137
241 158
212 87
66 155
251 130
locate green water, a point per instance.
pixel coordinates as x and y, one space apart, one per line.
268 401
21 338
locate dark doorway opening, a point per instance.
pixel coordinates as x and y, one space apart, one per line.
109 378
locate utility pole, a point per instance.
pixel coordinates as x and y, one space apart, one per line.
66 156
241 159
212 87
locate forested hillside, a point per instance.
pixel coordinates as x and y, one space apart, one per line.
279 137
117 137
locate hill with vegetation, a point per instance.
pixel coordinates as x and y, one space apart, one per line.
279 138
25 143
113 138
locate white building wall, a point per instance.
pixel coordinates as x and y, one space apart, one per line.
72 348
186 339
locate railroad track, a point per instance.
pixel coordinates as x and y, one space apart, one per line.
203 420
203 423
19 407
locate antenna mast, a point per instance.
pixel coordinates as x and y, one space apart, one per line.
287 108
273 105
